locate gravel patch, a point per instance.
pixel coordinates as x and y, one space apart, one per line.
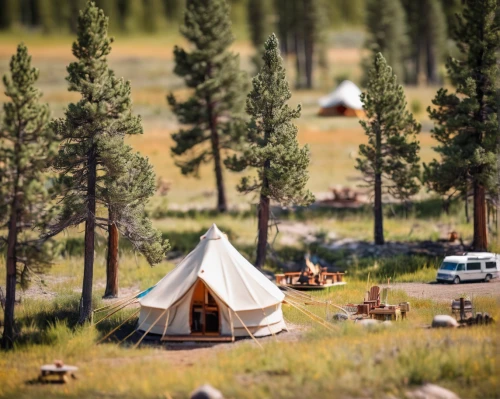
447 292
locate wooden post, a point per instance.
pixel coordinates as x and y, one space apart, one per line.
462 308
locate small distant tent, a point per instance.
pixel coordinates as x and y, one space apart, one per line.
343 101
214 292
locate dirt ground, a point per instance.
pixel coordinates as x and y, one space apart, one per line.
446 292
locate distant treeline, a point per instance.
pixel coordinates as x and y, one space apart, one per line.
132 16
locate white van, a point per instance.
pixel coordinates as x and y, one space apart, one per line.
469 267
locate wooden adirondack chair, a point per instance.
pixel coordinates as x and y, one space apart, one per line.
373 297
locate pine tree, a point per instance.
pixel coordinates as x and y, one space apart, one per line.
26 146
273 150
387 34
427 37
93 153
389 162
212 113
130 182
466 121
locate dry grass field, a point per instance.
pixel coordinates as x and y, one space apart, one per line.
349 362
147 63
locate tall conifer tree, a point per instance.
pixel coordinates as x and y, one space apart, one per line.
273 148
129 183
466 121
387 34
26 146
93 153
389 162
212 113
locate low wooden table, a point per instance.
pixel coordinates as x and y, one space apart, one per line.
386 313
61 373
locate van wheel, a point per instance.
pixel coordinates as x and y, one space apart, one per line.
487 278
456 280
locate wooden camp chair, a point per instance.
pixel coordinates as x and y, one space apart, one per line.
373 297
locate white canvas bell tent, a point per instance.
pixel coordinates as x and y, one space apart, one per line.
343 101
213 292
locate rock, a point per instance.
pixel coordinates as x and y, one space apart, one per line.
206 392
340 317
431 391
445 321
368 323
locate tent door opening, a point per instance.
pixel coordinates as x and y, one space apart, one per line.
205 318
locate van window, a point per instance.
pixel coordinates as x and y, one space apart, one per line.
491 265
461 267
448 266
474 266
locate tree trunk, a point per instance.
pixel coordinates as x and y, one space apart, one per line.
498 171
377 211
10 284
263 231
418 61
219 178
480 242
432 74
308 44
112 259
263 215
446 206
466 199
88 268
377 208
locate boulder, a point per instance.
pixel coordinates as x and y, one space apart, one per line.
206 392
431 391
368 323
443 320
340 317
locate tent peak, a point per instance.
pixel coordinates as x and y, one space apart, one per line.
213 233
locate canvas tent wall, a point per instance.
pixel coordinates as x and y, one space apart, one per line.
343 101
235 292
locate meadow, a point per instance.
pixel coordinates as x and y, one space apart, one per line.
310 361
349 362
